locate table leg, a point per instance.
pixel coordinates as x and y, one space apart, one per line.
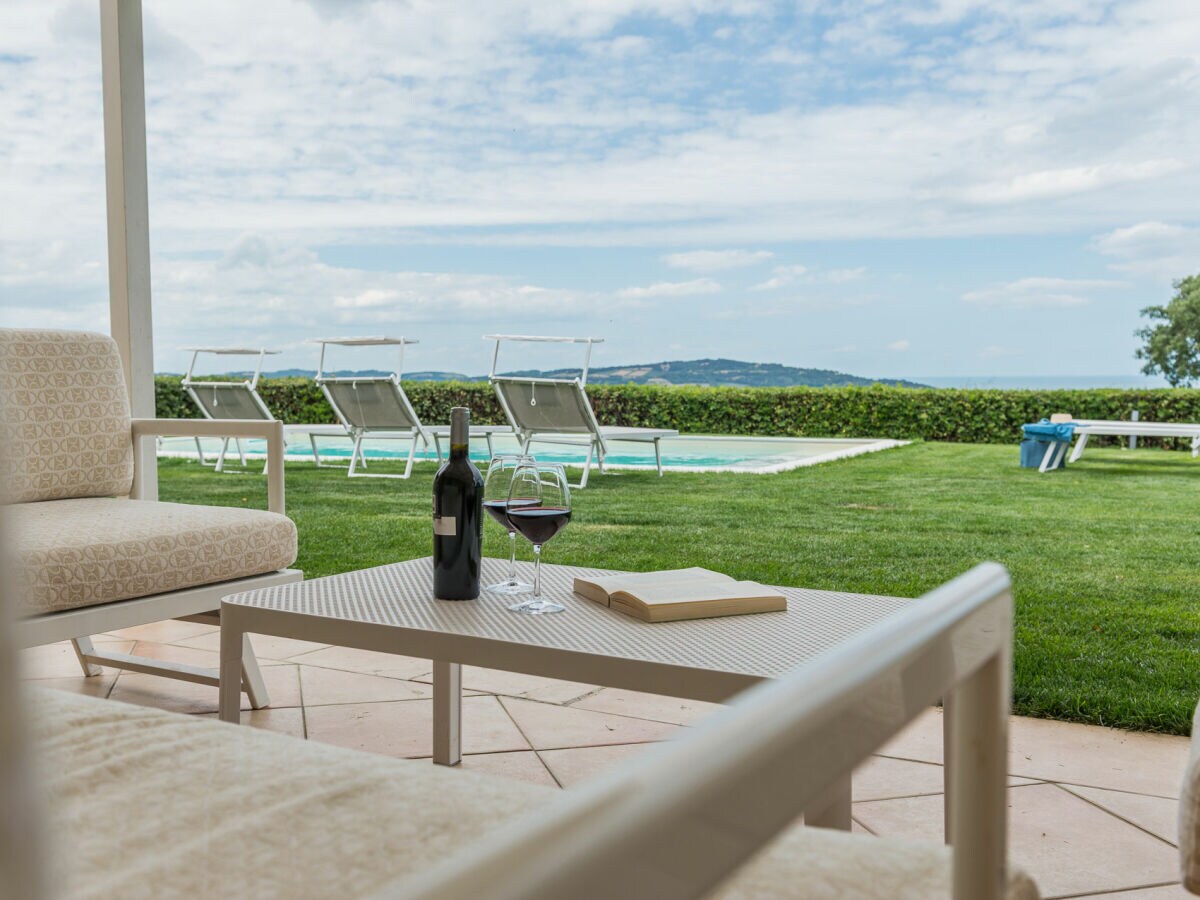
233 642
447 713
832 808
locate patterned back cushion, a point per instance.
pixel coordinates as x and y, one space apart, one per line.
65 415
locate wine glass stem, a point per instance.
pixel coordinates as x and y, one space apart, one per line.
537 571
512 557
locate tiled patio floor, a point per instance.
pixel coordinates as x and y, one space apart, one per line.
1091 810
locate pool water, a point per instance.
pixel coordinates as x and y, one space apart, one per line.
686 453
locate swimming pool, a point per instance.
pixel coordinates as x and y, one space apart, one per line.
686 453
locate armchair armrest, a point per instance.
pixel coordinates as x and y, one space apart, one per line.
271 430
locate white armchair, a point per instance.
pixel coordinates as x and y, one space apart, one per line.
92 555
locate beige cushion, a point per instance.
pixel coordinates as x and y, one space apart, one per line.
75 553
65 414
152 804
1189 815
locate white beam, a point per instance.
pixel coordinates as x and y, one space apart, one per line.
128 208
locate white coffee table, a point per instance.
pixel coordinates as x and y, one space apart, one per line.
392 609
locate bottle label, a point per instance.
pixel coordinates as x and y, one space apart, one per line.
445 526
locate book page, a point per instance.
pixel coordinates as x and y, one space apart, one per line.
602 587
696 592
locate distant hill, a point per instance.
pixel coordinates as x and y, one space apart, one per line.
705 372
721 373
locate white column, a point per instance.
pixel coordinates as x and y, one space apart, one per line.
128 210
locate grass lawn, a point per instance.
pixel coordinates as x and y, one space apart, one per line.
1105 556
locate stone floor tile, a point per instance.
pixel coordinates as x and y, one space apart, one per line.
1162 892
1047 750
576 764
521 765
266 646
367 662
404 728
1155 814
165 632
516 684
1097 757
883 777
1068 845
96 686
283 720
641 705
549 727
283 686
322 687
59 660
920 740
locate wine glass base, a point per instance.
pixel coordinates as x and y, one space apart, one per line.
509 587
537 607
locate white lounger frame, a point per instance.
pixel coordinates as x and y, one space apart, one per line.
692 811
200 603
1084 428
355 430
591 435
248 387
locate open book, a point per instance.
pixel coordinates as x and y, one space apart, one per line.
680 594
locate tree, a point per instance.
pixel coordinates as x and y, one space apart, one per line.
1172 346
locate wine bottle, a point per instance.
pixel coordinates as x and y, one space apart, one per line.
457 517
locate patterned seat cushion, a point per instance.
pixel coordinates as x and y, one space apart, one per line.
213 810
65 416
82 552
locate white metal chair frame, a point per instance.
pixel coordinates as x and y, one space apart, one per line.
692 811
595 443
250 386
356 432
200 604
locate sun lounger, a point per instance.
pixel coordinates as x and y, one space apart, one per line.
558 411
1084 428
372 406
227 399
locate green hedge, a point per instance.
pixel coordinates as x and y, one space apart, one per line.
972 416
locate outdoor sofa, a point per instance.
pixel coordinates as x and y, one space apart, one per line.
143 803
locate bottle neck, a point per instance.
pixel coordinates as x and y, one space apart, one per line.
460 422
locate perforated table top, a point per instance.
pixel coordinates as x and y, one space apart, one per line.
399 598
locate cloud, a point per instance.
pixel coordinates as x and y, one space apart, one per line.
716 260
1027 293
1162 251
900 346
783 276
786 275
1059 182
841 276
671 289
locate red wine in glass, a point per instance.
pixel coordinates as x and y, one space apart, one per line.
498 509
538 524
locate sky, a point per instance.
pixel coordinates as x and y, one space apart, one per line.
904 188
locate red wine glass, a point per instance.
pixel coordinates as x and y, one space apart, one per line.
496 486
543 509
